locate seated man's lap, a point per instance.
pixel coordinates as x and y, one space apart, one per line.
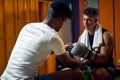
43 77
103 73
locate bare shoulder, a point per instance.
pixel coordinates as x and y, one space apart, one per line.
108 38
107 35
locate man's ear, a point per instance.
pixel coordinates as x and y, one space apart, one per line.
59 20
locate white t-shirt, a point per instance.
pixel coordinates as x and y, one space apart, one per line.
34 44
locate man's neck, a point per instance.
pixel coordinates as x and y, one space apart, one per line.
91 32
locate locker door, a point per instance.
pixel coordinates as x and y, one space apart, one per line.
2 40
109 18
117 30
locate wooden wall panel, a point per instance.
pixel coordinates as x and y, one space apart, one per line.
2 39
42 11
51 64
15 6
110 19
33 11
106 14
9 26
42 69
9 18
48 66
1 20
117 30
2 55
14 15
22 18
27 11
82 7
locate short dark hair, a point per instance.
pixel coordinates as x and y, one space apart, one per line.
90 11
59 9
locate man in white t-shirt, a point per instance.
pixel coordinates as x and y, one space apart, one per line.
35 43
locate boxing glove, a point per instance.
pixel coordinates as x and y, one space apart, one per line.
81 50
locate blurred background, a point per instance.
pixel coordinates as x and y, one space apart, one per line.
14 14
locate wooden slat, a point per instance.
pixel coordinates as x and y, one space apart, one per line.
81 9
2 56
110 19
33 10
9 25
48 66
9 18
26 11
106 14
42 69
2 38
16 18
42 10
117 30
36 10
51 64
21 15
1 19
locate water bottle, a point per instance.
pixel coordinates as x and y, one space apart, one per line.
85 74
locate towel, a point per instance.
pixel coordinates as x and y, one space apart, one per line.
97 41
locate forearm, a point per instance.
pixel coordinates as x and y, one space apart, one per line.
68 61
102 59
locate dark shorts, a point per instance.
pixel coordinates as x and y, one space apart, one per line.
110 70
43 77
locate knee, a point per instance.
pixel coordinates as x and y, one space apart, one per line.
79 75
100 74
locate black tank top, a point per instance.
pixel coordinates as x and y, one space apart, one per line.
109 63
